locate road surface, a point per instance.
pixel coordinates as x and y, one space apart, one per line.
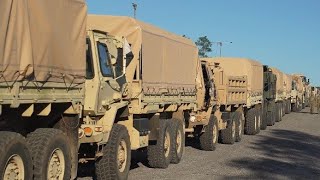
288 150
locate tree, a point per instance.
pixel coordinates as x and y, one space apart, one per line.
204 46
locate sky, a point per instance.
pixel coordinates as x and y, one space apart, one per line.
280 33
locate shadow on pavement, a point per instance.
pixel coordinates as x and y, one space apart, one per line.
290 154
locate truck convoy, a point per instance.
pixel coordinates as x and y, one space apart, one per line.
42 76
299 92
136 87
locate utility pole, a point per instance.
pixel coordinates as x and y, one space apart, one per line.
134 5
220 43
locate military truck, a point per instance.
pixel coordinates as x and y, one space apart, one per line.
297 93
229 95
140 99
42 61
252 107
304 93
280 94
288 88
269 97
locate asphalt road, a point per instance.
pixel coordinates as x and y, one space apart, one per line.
288 150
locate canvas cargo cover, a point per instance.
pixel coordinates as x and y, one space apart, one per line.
299 83
288 83
42 40
280 79
168 60
243 67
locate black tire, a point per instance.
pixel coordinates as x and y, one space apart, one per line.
46 143
228 135
258 119
14 148
239 125
159 154
270 118
250 123
107 166
294 107
278 112
209 139
288 105
178 141
264 120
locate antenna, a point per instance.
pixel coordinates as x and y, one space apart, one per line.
134 5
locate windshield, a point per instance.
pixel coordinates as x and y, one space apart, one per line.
89 64
104 60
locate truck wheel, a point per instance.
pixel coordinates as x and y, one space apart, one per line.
239 125
178 141
15 158
288 106
278 112
159 154
269 118
281 111
251 122
116 159
258 119
209 139
228 135
50 153
263 120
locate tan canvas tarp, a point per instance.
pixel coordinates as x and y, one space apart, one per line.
280 79
243 67
42 40
288 84
168 60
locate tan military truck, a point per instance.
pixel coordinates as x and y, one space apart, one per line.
162 93
280 94
288 88
42 61
149 97
252 107
230 95
304 83
297 93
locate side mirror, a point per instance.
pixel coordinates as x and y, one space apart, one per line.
113 61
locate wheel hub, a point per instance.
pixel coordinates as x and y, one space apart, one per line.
178 141
14 169
167 144
56 166
214 133
233 129
122 156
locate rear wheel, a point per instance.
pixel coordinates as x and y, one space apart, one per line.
50 153
258 120
209 139
159 152
238 117
263 120
178 141
288 106
278 112
251 120
115 162
15 158
228 135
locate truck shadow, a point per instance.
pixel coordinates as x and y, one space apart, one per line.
290 154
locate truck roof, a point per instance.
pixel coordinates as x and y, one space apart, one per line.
158 44
242 67
43 40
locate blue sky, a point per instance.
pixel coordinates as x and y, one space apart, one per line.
280 33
